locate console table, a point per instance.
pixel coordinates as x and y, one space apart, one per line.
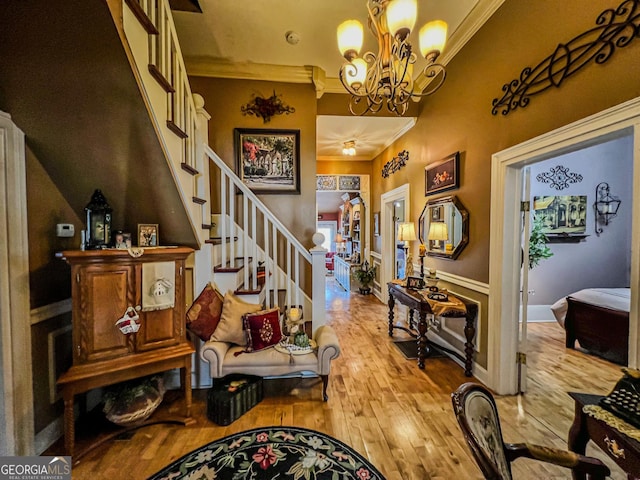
624 450
415 300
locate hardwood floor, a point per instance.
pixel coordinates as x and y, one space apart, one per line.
384 406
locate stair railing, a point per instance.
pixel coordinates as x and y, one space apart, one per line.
283 257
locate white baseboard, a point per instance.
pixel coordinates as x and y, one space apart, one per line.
539 313
48 435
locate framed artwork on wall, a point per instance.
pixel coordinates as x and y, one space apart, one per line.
443 175
376 224
268 161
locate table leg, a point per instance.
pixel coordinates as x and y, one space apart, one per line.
469 333
578 437
185 373
423 347
391 304
411 319
69 423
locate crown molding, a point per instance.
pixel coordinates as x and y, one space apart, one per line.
211 67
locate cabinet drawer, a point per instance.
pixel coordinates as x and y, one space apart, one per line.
617 447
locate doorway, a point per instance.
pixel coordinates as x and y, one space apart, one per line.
328 229
388 229
505 255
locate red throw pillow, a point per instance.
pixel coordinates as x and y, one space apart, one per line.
204 314
262 329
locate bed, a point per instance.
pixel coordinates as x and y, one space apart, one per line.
598 318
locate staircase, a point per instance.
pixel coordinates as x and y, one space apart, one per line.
248 237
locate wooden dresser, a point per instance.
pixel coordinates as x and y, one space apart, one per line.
104 284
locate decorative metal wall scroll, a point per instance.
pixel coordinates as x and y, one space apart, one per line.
326 182
351 182
559 177
615 29
395 164
266 108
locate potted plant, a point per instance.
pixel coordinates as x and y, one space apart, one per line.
365 276
538 249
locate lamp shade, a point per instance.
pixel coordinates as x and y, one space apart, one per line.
350 37
407 232
438 231
433 36
401 17
338 238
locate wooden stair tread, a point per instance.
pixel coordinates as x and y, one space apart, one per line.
229 269
220 240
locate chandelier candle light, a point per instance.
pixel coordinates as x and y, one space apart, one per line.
387 78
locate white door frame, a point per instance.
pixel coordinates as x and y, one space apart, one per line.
16 387
388 240
504 251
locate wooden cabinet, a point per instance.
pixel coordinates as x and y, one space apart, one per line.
104 284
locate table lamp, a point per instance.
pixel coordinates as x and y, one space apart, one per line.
438 232
406 234
338 241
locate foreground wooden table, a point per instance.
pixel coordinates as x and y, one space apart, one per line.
416 302
624 450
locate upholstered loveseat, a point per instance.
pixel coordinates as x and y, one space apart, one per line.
244 338
226 358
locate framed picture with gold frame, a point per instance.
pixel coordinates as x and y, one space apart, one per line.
148 235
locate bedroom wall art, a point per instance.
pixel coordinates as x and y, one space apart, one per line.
564 217
616 28
559 177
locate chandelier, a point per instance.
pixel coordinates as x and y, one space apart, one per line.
386 79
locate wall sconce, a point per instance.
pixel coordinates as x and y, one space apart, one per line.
605 207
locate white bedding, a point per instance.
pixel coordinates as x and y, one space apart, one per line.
614 298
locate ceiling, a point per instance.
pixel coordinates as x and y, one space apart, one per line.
247 39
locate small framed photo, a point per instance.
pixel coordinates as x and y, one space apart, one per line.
436 213
122 240
414 283
443 175
148 235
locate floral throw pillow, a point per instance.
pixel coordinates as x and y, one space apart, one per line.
262 329
204 314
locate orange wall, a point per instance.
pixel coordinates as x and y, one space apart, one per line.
333 167
223 100
458 117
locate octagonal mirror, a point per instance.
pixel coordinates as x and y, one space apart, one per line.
444 227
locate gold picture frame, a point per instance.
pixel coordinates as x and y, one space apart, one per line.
148 235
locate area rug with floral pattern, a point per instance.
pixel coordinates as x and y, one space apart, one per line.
272 453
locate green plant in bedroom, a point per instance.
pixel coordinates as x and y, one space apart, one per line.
538 249
365 276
